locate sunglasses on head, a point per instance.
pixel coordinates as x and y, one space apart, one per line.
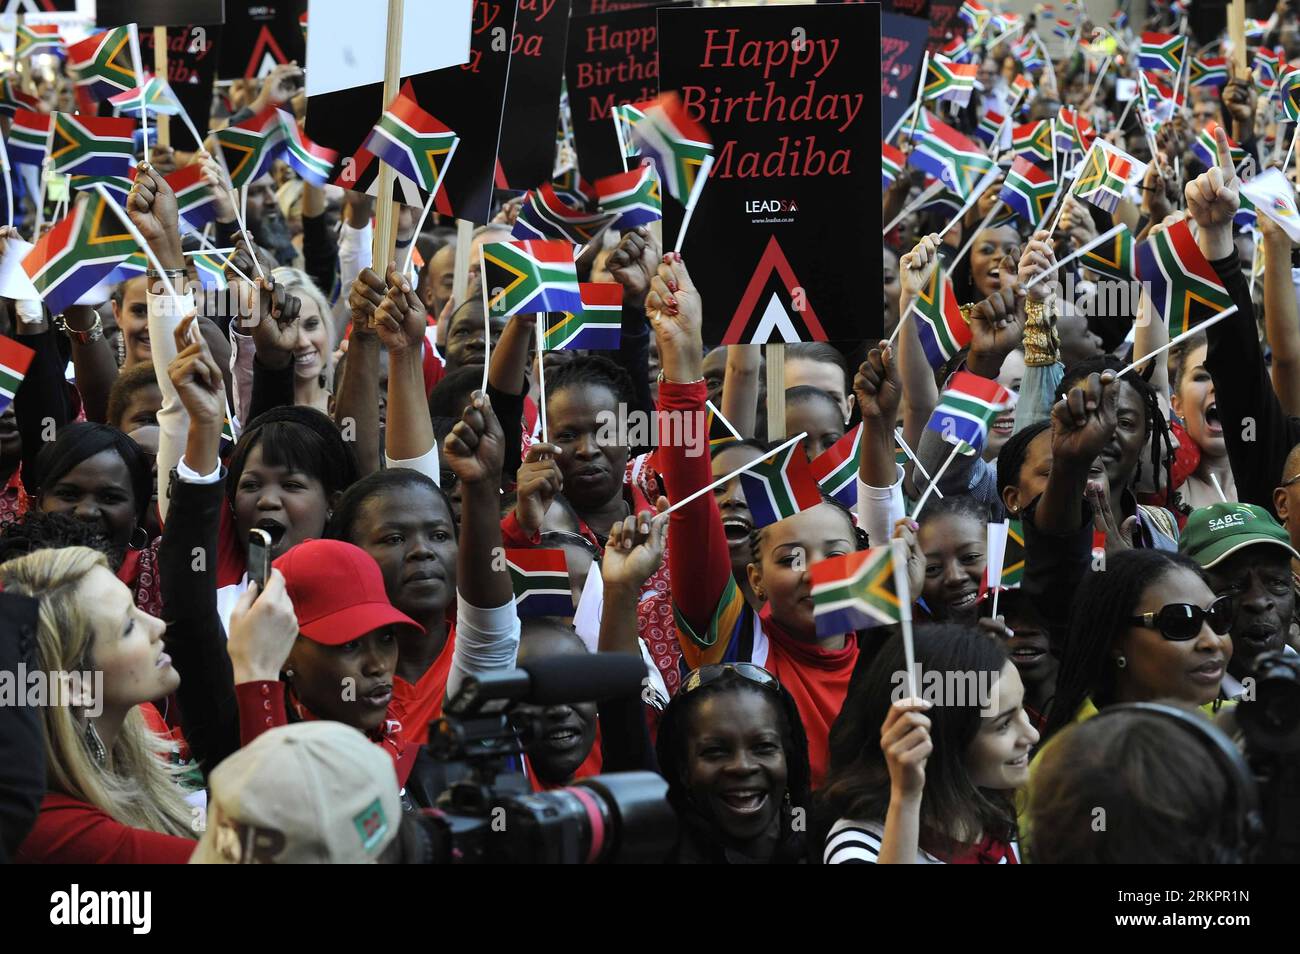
1182 621
715 671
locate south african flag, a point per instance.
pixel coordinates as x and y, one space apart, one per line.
12 99
33 38
966 410
949 156
950 81
413 142
29 137
544 215
780 486
854 591
103 62
1180 284
1290 91
154 96
676 143
1033 140
540 580
521 278
939 324
1106 173
249 147
597 326
91 145
1205 149
1207 71
15 359
78 253
626 116
1112 258
891 164
1028 190
1162 52
836 468
632 195
312 162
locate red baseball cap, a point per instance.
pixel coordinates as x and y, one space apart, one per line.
337 591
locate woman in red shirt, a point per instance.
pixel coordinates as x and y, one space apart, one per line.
111 797
714 624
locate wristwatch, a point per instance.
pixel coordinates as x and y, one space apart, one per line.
94 333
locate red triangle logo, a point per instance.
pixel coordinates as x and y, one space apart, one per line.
773 259
265 43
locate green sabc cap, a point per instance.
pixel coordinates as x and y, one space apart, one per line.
1216 532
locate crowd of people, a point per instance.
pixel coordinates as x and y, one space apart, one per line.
336 410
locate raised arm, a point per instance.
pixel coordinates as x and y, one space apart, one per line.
357 399
698 557
1281 316
920 393
1082 423
152 208
400 322
508 381
1039 340
487 627
92 360
740 387
1256 429
880 480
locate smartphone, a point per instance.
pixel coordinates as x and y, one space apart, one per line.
259 557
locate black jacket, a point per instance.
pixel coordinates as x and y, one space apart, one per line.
22 742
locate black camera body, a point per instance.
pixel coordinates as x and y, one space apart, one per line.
479 808
1270 722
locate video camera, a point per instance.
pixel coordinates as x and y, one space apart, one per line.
1270 721
479 808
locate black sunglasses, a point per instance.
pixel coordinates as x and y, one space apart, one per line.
1182 621
715 671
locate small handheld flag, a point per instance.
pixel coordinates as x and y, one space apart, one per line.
836 468
598 326
633 196
950 81
15 359
521 278
29 137
1181 285
1112 258
91 145
1272 194
939 324
1106 173
1162 52
854 591
544 215
413 142
967 408
675 143
1027 191
540 580
780 486
103 61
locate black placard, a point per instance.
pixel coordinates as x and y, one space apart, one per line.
191 65
152 13
527 150
260 35
469 99
782 244
944 24
585 8
612 59
902 47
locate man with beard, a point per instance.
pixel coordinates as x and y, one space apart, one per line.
1245 555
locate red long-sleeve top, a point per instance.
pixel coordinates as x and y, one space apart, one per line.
73 832
712 615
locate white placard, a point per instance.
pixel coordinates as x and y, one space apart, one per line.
346 39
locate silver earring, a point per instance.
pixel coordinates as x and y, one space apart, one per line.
95 744
288 674
1121 662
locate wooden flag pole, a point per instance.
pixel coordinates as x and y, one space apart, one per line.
385 239
460 267
1237 32
162 121
775 354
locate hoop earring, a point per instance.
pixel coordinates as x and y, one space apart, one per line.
1120 662
95 744
139 546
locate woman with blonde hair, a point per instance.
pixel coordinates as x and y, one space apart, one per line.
312 355
111 796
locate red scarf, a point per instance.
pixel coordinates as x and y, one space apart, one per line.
817 678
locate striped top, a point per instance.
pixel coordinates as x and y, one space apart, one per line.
857 842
